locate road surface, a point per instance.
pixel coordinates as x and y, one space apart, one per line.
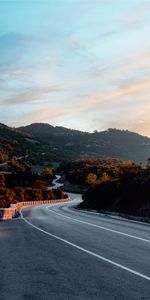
59 252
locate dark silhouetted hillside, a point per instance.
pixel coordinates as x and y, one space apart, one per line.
15 143
70 143
124 191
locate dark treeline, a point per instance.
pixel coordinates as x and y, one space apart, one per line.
112 185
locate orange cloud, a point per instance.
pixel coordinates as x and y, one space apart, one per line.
44 113
115 95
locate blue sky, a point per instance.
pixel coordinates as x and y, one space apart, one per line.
83 64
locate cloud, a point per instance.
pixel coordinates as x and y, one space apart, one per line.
136 119
104 101
29 95
119 99
16 48
82 50
16 39
116 90
90 103
131 20
136 88
42 114
76 45
129 69
144 6
106 34
18 72
14 44
94 61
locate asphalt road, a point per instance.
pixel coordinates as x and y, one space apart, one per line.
58 252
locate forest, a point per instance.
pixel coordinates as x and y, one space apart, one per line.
24 185
111 185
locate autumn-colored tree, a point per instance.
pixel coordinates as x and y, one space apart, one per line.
47 173
29 194
40 184
19 194
49 195
9 197
104 178
38 196
3 156
13 160
2 181
91 178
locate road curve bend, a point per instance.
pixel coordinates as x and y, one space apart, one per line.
58 252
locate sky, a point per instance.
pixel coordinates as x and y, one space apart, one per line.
82 64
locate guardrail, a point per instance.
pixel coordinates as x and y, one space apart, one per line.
7 213
12 212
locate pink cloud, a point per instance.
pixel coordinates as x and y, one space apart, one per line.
29 95
131 20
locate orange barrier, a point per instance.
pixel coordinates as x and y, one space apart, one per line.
7 213
11 212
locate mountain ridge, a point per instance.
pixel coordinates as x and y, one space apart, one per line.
115 143
60 143
42 125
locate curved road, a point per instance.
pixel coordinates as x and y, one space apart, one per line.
59 252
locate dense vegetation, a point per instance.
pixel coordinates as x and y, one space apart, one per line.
13 142
83 172
23 185
112 185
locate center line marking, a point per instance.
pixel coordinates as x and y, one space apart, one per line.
101 227
87 251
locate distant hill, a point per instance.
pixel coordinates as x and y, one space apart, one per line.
45 130
67 143
50 143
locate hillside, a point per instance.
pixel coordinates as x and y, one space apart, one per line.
117 187
67 143
46 142
15 143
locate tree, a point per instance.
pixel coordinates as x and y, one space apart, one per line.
2 181
38 195
3 156
104 178
40 184
13 160
19 194
91 178
58 193
9 196
47 173
148 163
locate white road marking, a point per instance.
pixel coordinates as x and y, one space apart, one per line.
101 227
87 251
113 216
